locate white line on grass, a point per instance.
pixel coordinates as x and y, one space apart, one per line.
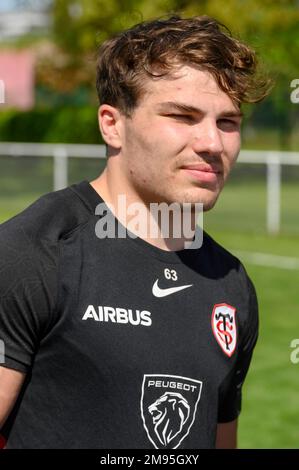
264 259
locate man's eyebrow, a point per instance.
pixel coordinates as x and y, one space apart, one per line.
178 106
236 113
168 105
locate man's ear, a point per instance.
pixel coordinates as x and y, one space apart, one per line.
110 125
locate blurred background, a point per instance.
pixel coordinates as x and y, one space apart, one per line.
47 98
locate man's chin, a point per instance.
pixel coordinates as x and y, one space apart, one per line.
209 203
207 200
206 197
208 206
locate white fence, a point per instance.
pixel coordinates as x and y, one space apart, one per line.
60 153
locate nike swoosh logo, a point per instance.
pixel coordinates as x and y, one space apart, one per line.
157 292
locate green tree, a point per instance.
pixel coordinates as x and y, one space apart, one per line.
270 26
80 25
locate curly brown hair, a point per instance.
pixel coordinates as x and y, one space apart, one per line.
154 49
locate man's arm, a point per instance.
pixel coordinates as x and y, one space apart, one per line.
10 385
227 435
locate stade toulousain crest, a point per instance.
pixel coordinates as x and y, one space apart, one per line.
224 327
168 408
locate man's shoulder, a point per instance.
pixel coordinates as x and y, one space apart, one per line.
218 251
223 263
49 218
29 271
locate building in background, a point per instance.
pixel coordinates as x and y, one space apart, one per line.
17 74
17 67
22 21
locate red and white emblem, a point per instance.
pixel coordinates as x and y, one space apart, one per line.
224 327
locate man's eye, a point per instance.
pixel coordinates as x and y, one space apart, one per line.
186 117
229 123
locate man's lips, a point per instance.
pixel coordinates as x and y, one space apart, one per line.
202 167
203 172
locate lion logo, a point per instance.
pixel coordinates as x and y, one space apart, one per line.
170 412
168 408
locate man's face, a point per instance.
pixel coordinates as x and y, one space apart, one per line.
181 141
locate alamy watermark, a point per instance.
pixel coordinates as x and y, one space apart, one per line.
2 352
294 356
173 220
2 92
294 97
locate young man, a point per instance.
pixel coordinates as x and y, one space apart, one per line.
135 341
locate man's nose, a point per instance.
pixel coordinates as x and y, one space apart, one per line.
207 138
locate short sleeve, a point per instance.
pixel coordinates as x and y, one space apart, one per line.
28 286
230 394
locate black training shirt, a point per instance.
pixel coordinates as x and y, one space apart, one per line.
115 354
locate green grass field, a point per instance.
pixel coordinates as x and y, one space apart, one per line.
270 395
